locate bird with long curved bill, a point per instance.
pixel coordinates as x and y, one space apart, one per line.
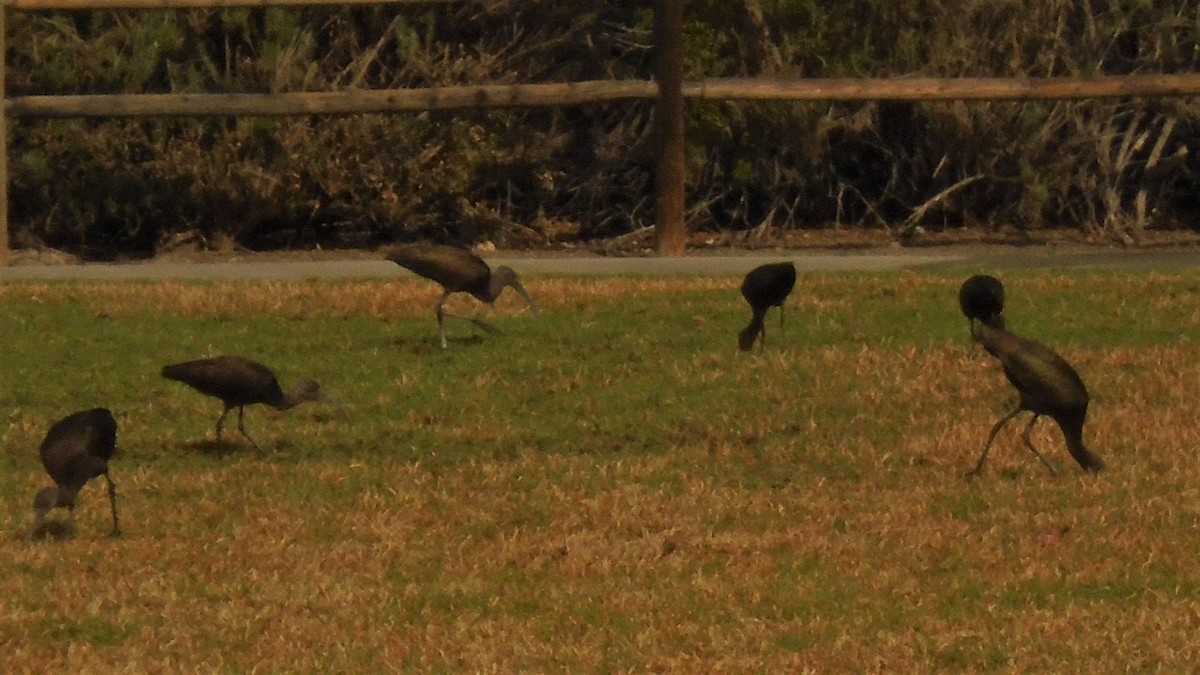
981 298
458 270
1047 385
239 382
76 449
764 287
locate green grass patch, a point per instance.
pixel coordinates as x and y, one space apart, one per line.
95 631
608 484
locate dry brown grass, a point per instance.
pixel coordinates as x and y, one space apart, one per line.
829 530
299 300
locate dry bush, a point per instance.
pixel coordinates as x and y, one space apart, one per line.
537 177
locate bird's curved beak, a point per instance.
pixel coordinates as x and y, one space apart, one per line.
528 300
338 406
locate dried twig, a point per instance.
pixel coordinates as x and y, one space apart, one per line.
909 226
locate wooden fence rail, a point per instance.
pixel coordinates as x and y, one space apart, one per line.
593 92
47 5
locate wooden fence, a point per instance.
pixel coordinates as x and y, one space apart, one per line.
667 88
596 91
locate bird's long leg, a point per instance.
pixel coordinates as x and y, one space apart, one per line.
441 313
762 331
112 501
477 322
485 326
221 421
781 319
991 437
242 427
1029 444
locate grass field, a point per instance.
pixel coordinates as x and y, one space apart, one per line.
609 485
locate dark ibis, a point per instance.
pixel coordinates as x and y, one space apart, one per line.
239 382
1047 385
764 287
76 449
457 270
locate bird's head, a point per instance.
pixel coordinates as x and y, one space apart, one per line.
49 497
505 276
306 390
46 500
746 337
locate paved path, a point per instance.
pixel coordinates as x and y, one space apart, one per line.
959 257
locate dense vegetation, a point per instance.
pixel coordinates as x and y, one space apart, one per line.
536 176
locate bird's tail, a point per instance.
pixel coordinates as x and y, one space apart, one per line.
172 372
750 333
1072 428
1086 458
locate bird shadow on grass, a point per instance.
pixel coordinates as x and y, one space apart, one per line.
430 345
1013 474
50 530
213 448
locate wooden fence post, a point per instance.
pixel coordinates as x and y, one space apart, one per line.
669 226
3 142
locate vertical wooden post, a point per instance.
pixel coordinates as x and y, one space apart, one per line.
3 140
670 230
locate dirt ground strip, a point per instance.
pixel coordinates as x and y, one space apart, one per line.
708 261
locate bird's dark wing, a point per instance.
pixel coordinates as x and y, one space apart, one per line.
102 441
454 268
77 447
1046 381
231 378
769 285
